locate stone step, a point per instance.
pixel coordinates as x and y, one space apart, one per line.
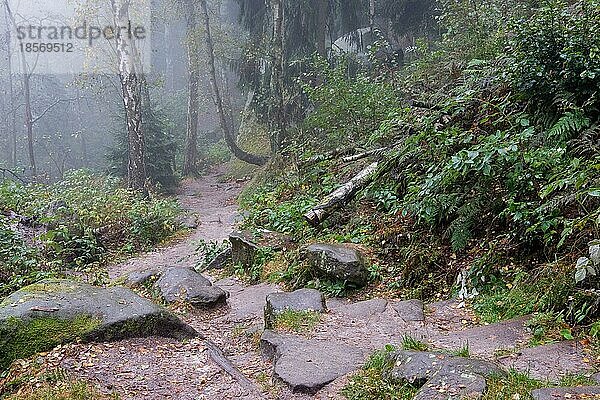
589 392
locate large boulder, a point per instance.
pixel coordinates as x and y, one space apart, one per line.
186 285
338 261
41 316
246 244
299 300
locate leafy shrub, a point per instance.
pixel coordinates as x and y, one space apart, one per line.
77 222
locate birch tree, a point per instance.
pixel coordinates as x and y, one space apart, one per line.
132 98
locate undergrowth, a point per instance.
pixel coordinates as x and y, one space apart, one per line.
76 224
491 168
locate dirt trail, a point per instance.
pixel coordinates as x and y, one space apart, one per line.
214 204
159 368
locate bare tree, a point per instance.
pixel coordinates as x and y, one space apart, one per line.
227 133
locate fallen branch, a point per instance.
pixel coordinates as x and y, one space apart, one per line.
9 172
217 355
341 195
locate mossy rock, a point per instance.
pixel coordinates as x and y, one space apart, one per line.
52 312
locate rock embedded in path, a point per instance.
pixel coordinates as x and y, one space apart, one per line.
141 277
43 315
306 366
453 387
220 261
299 300
441 374
246 244
338 261
362 309
590 392
550 361
410 310
186 285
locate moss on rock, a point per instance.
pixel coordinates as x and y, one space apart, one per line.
23 338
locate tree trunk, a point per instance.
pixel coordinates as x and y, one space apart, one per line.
132 101
27 96
341 196
321 33
190 159
28 118
227 134
277 108
11 93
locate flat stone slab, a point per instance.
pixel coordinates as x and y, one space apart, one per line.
338 261
551 361
453 387
299 300
184 284
410 310
246 303
305 365
487 340
590 392
419 367
362 309
58 311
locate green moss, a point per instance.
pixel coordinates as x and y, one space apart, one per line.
20 339
297 321
50 286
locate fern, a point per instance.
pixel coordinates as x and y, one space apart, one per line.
461 228
587 142
569 125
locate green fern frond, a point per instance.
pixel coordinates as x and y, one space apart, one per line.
569 125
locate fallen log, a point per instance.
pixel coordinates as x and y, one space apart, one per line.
341 195
366 154
330 155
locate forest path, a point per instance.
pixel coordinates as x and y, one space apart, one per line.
159 368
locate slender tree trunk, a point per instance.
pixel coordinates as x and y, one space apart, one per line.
190 161
372 14
11 93
82 139
227 134
321 33
277 109
29 118
27 94
132 100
